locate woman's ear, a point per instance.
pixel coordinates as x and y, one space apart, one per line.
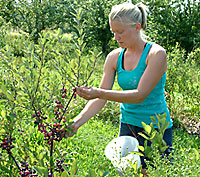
138 27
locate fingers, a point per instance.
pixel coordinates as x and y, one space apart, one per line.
70 131
85 92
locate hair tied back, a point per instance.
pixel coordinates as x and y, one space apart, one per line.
143 10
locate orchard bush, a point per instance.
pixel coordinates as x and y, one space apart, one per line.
37 90
183 89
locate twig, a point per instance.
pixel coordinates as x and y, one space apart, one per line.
68 104
90 72
10 153
51 156
40 71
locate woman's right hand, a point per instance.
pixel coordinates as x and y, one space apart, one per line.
70 130
73 129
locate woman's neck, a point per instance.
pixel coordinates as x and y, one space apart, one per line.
137 46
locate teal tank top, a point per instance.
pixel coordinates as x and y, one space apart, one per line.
154 103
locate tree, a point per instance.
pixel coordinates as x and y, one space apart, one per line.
34 16
98 23
7 10
175 21
97 28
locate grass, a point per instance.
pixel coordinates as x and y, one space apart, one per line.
90 141
89 144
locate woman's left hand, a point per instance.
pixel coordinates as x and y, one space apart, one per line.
87 93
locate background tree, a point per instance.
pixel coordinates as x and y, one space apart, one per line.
98 25
7 11
175 21
169 21
34 16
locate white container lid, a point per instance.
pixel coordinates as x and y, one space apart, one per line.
118 151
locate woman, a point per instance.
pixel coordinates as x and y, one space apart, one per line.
140 67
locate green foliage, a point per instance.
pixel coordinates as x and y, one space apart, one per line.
29 89
183 87
186 151
77 63
174 21
98 27
194 56
88 146
169 21
168 165
154 136
7 11
34 16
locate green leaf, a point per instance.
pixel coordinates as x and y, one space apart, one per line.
64 174
3 88
148 151
74 167
164 115
41 170
137 153
5 169
153 119
197 153
147 128
158 117
51 161
3 113
10 96
42 161
164 127
153 135
162 121
154 138
65 168
105 174
141 148
162 149
144 136
160 138
92 173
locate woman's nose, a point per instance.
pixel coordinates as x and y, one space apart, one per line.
116 37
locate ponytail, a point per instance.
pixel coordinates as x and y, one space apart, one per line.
143 9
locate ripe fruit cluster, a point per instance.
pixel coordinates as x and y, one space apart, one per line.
26 171
7 143
51 131
59 165
55 130
39 117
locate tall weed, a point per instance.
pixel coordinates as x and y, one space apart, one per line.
183 87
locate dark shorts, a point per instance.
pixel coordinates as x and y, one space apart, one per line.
128 130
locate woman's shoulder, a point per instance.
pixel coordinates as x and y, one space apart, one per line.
114 53
112 57
157 49
156 53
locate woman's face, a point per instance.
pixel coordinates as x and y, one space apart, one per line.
124 34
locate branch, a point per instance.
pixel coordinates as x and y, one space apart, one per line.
67 62
40 71
68 104
90 72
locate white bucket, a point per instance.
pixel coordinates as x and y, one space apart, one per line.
118 151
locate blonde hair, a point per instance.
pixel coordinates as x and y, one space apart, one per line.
130 14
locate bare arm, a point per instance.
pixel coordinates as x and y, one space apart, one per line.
156 67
